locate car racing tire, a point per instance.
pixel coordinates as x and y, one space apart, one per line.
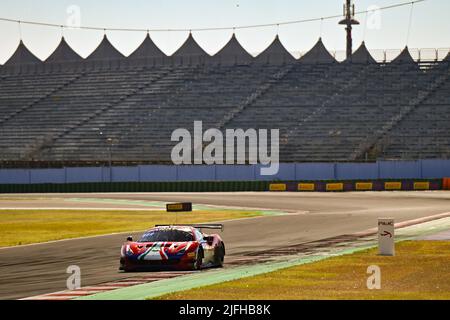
219 255
199 259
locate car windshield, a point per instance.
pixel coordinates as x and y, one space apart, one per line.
167 235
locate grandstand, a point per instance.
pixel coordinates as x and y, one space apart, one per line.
68 110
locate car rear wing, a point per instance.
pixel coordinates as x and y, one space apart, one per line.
198 226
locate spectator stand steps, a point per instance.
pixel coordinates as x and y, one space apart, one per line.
261 90
45 96
100 111
383 132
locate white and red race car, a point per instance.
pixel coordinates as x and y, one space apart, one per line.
179 247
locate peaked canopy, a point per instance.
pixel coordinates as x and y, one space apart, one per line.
447 58
63 53
190 48
362 55
404 57
233 52
22 56
147 49
105 51
276 53
318 54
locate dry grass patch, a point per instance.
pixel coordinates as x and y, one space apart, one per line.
30 226
420 270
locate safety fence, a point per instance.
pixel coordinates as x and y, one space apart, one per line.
232 186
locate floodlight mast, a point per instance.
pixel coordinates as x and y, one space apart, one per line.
349 21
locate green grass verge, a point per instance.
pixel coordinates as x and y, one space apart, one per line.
420 270
19 227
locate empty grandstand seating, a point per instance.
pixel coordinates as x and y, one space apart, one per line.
325 110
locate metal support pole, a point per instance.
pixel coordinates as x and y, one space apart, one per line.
110 164
349 20
110 142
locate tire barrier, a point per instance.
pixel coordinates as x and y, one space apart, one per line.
446 184
375 185
185 186
232 186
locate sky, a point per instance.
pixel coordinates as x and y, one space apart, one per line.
388 29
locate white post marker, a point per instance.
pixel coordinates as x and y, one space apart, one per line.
386 244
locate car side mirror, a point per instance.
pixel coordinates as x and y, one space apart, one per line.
129 238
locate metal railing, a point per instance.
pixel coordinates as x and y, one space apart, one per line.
383 56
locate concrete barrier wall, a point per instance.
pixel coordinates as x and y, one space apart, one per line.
422 169
157 173
315 171
15 176
80 175
400 170
48 176
435 168
239 172
359 171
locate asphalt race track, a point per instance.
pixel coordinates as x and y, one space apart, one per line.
36 269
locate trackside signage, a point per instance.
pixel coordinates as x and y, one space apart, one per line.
179 207
364 186
306 187
386 245
335 187
392 186
422 185
277 187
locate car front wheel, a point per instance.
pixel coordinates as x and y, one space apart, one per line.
199 260
220 255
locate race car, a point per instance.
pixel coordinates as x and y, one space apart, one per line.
179 247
